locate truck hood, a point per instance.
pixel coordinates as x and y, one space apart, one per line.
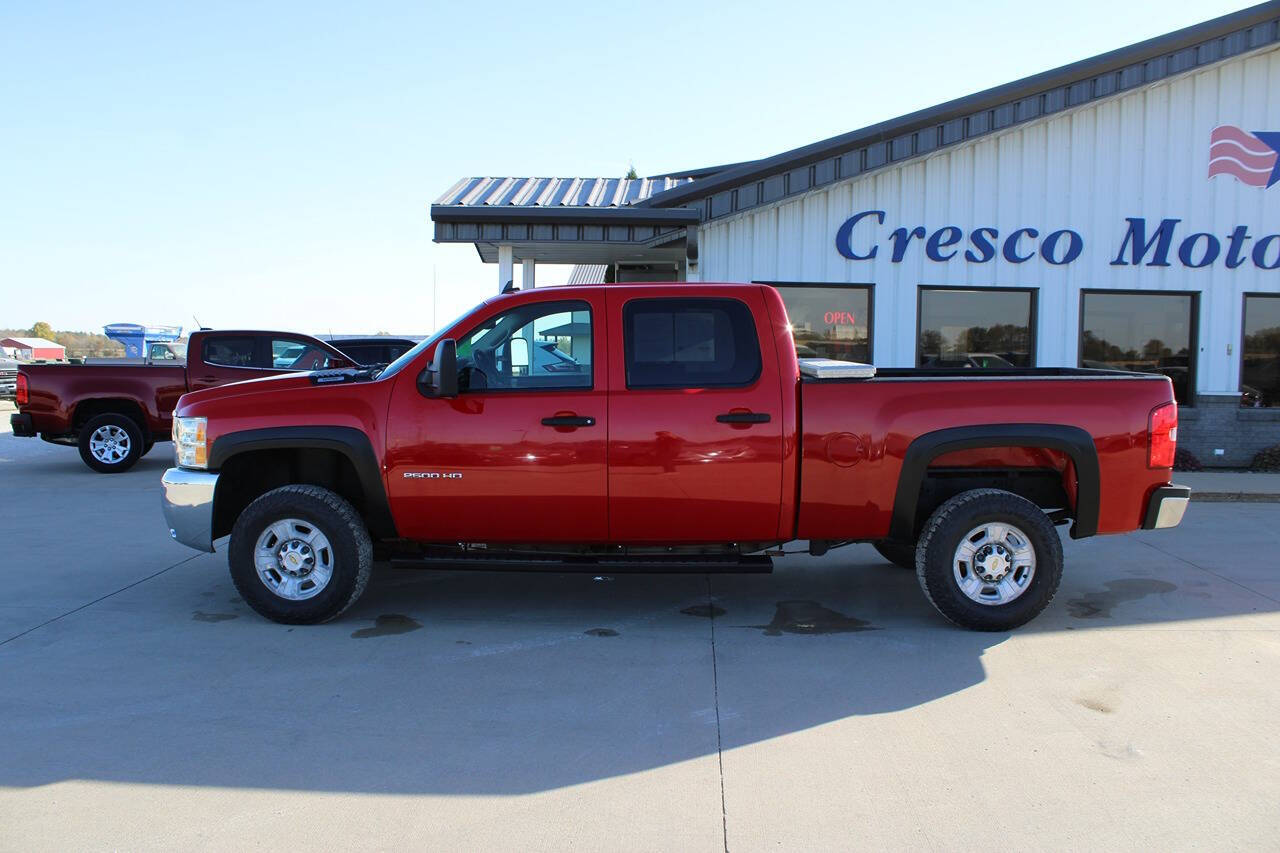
276 384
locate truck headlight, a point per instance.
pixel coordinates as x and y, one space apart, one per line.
190 442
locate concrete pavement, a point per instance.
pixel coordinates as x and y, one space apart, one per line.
825 706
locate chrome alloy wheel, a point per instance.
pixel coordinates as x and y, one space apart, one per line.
294 559
994 563
110 444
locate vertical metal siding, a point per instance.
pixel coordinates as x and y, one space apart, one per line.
1142 152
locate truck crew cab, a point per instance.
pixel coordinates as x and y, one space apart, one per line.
673 430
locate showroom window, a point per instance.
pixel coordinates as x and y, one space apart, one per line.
976 328
1260 353
828 320
1147 331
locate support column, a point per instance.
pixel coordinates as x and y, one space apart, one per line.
691 272
505 266
527 274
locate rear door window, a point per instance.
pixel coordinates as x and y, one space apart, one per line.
293 354
230 350
690 343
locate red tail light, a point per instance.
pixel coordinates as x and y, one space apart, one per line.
1162 435
20 395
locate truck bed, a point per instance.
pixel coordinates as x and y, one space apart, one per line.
861 439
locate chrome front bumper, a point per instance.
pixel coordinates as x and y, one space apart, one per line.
188 506
1166 507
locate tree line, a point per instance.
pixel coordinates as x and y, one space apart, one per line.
78 344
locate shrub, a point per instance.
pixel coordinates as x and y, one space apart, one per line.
1185 460
1267 459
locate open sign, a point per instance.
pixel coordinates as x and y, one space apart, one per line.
839 318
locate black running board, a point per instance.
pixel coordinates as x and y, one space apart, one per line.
603 564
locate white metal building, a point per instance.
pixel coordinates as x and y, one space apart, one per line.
1122 211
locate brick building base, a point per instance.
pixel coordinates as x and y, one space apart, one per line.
1217 423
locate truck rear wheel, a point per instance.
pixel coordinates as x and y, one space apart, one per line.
991 560
300 555
111 443
901 554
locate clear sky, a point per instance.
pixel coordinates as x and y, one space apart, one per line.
271 164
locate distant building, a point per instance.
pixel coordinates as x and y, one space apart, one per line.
32 349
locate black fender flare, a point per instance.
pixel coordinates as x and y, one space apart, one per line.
1074 441
348 441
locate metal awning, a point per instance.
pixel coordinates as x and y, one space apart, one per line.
564 220
554 192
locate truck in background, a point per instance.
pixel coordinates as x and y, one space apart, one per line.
115 411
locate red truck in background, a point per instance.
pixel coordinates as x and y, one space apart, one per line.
115 412
663 428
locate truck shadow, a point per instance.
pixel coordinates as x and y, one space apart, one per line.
463 683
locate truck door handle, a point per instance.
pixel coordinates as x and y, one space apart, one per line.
743 418
568 421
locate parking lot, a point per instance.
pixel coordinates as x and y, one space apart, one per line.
825 706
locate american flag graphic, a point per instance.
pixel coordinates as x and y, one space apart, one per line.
1251 158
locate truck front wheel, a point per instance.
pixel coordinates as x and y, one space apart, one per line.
991 560
300 555
111 443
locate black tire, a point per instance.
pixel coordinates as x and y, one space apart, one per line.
901 554
943 534
111 425
351 560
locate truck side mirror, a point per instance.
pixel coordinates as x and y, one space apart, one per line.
441 378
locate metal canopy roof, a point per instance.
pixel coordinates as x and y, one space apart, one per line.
554 192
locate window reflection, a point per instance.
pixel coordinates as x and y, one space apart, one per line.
1146 332
975 329
829 322
1260 357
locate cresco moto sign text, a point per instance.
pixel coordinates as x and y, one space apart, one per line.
1140 242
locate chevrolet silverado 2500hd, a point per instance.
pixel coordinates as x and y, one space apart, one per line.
663 428
115 412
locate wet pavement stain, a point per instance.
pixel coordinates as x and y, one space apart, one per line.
708 611
600 632
1098 604
462 642
388 625
1095 705
810 617
201 616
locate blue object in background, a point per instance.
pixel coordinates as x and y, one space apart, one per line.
137 339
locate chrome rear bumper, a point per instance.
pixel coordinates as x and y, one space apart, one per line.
1166 507
188 506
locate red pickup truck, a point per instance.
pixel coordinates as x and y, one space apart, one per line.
663 428
115 412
